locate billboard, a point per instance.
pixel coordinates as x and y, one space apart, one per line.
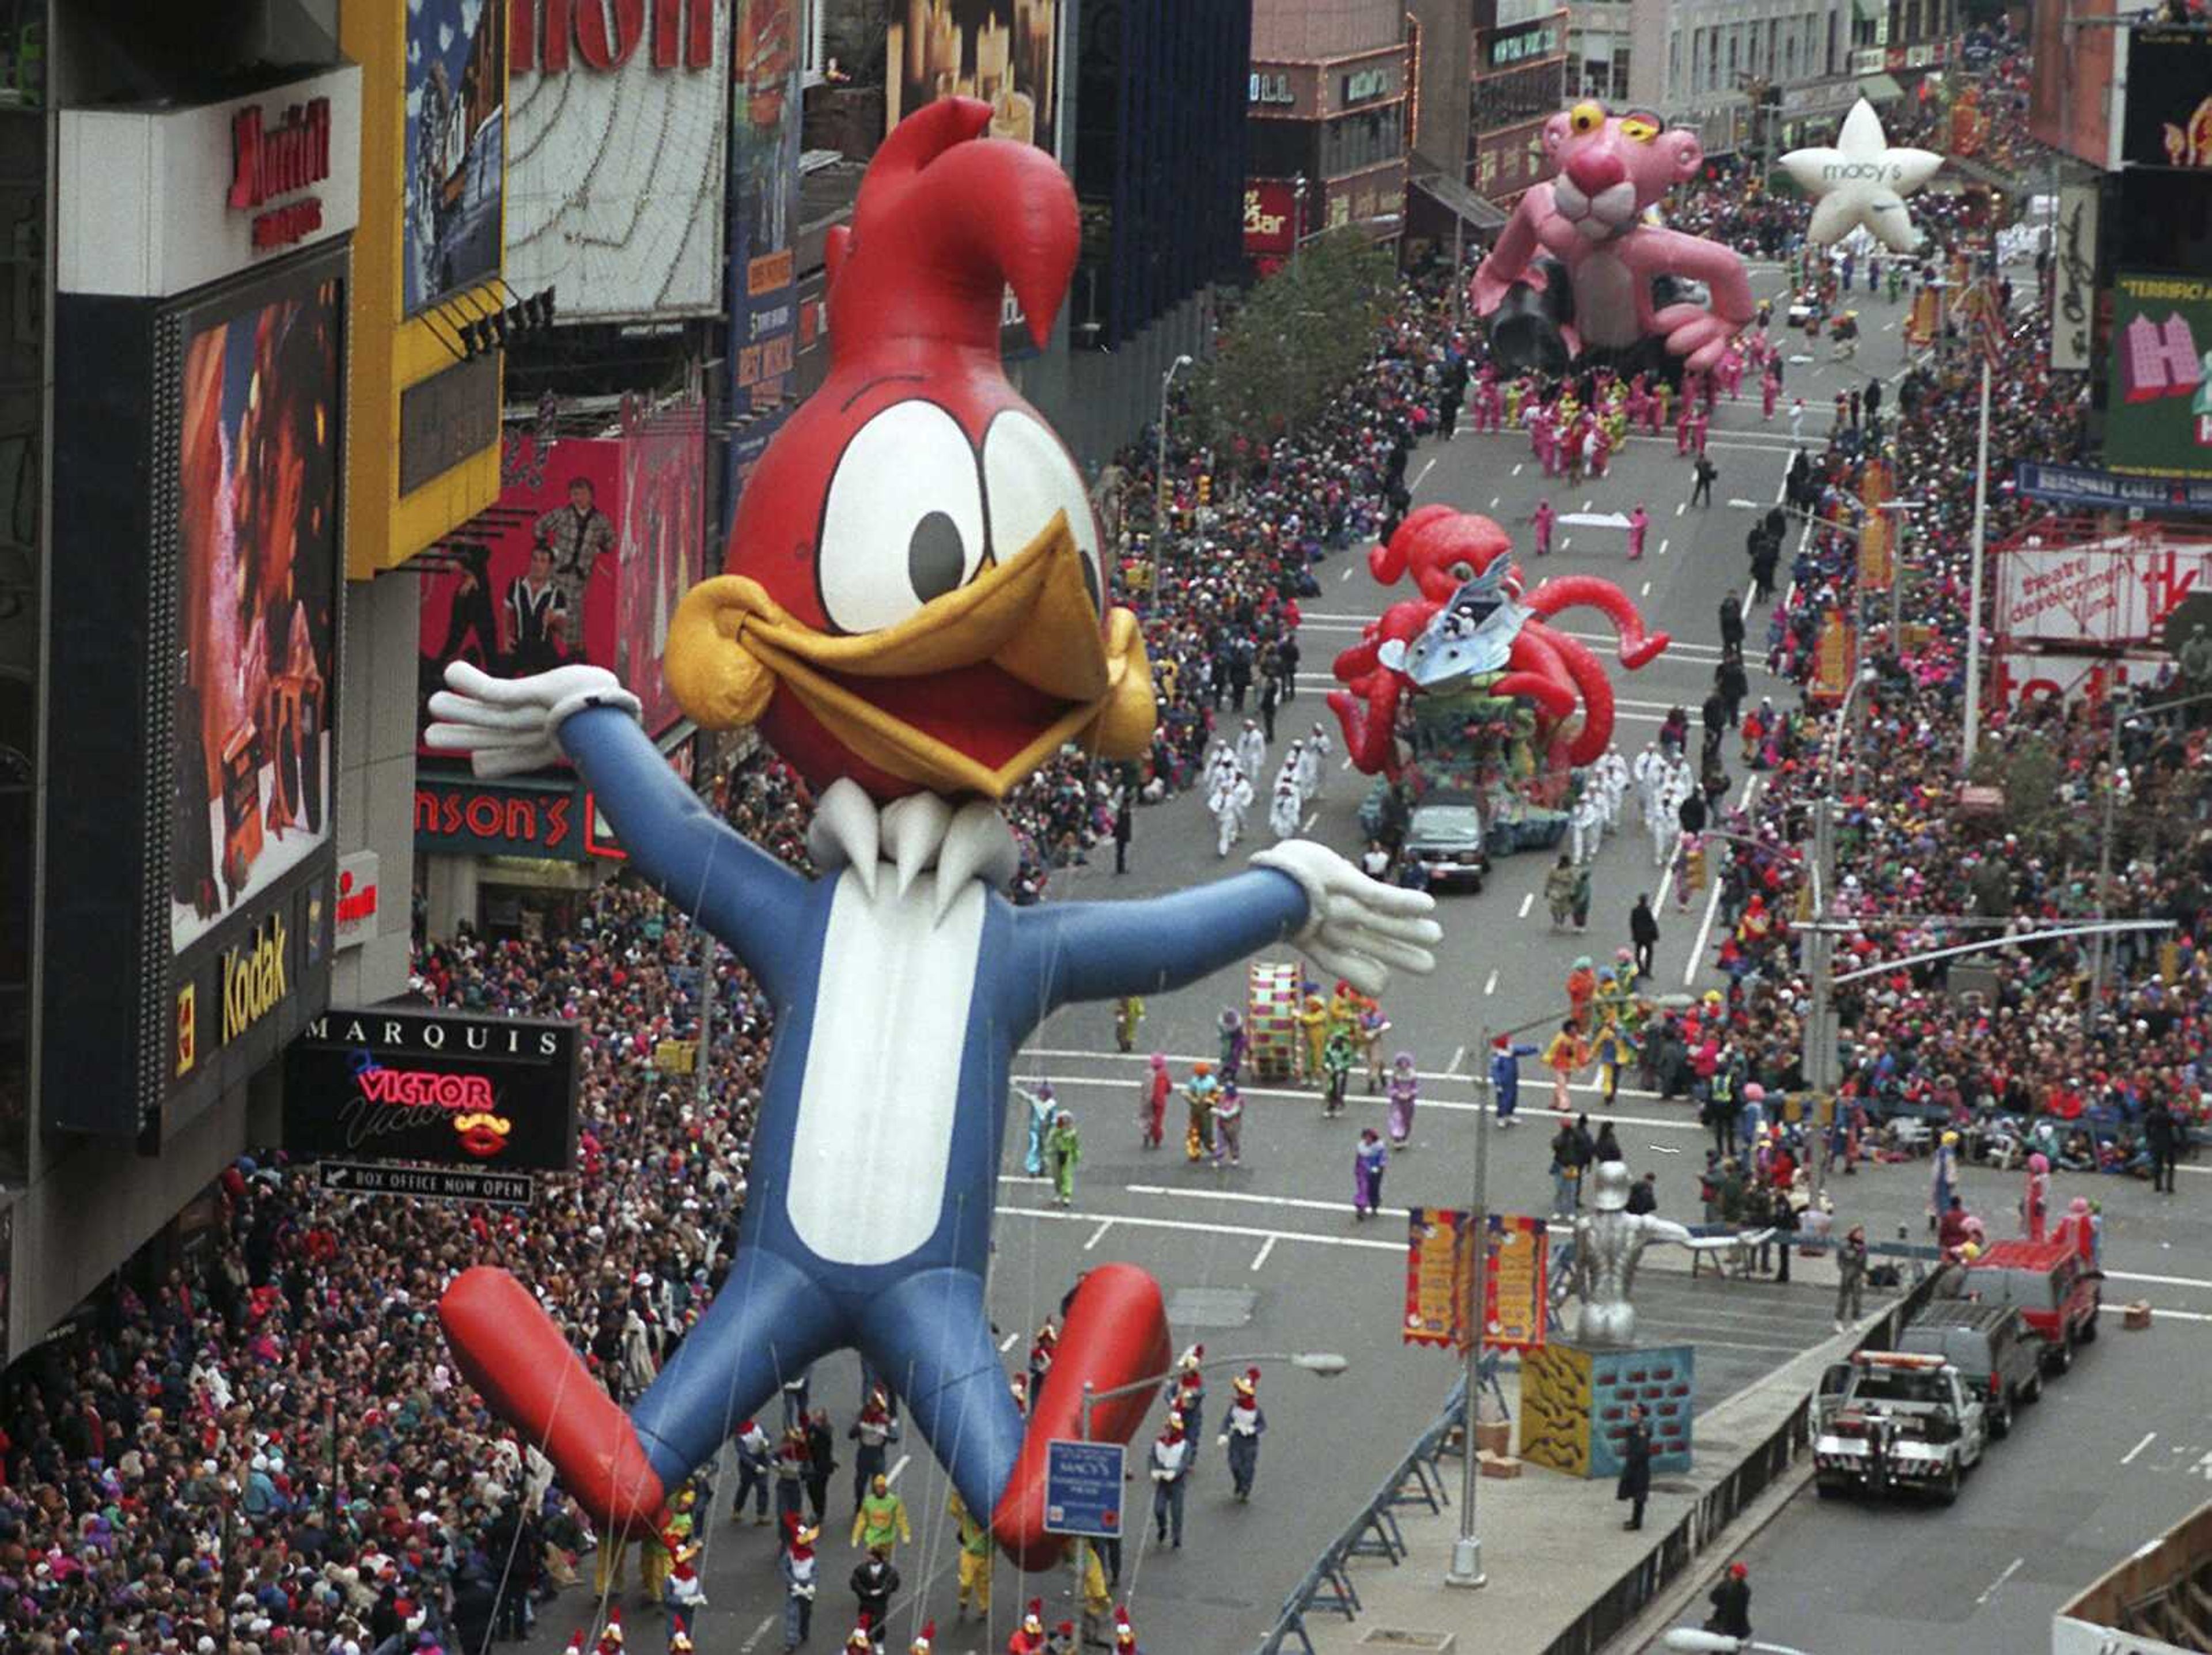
538 584
2118 591
257 482
1271 218
457 815
191 916
664 503
2067 676
242 183
1004 51
2158 410
2074 302
408 1083
2070 87
2088 489
764 301
614 186
2168 120
456 139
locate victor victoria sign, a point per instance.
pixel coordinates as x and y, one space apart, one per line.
408 1083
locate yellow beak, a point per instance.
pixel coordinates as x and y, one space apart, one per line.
731 645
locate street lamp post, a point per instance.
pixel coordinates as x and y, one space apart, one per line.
1466 1568
1328 1364
1160 477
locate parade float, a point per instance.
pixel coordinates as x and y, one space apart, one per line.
911 614
1468 690
1583 274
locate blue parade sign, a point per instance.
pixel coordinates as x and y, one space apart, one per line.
1083 1488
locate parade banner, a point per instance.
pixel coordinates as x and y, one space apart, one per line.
2118 591
2158 413
1436 1277
1831 660
1877 568
1515 1299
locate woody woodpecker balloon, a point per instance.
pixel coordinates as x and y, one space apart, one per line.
911 613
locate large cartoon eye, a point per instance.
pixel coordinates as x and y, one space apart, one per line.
1587 116
1027 476
1642 126
1461 571
903 522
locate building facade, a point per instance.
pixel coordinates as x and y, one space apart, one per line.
231 421
1326 118
1748 74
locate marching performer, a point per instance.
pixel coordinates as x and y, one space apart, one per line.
1404 1092
1240 1433
1152 1104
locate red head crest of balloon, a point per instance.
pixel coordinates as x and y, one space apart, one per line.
913 593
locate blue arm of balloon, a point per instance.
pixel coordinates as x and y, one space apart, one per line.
1100 950
739 891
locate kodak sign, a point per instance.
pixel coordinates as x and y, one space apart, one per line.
254 982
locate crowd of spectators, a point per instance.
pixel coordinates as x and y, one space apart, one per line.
267 1452
2070 1049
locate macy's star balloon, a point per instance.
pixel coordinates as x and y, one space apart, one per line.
1863 180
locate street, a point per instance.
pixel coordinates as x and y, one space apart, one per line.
1268 1257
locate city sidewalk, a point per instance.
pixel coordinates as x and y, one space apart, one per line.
1552 1544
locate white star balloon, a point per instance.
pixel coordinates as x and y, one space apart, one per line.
1861 181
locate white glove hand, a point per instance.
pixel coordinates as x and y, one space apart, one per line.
507 726
1356 928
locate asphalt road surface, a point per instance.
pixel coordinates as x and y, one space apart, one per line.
2114 1453
1268 1256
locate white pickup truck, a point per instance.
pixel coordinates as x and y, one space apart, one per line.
1887 1420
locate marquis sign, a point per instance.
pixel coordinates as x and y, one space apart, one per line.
410 1083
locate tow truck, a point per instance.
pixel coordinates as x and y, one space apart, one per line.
1889 1421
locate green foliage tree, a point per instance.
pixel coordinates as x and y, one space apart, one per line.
1301 335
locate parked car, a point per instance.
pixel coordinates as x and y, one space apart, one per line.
2058 1292
1444 836
1897 1420
1990 1345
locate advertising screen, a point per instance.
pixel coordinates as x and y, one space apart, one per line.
663 530
2158 410
614 186
2169 98
456 147
200 634
1004 51
408 1083
537 587
764 142
257 482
